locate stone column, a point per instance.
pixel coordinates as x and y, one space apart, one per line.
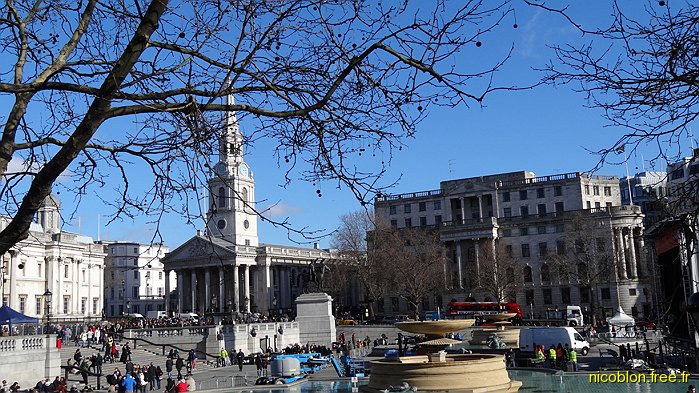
266 285
167 292
58 294
480 206
221 289
642 267
179 275
76 287
459 263
193 287
88 306
632 254
207 289
100 301
236 288
246 282
14 261
621 255
478 262
463 209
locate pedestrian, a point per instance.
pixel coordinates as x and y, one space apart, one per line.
151 377
573 356
168 368
239 357
181 386
129 383
192 360
510 358
258 365
179 364
691 389
552 357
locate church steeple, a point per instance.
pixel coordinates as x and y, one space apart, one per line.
231 214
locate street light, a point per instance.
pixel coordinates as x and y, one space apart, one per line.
47 302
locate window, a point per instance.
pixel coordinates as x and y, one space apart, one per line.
565 295
547 296
37 302
66 304
545 273
247 242
579 246
507 212
438 220
529 296
84 275
542 209
408 222
437 205
600 244
221 197
608 205
406 208
161 290
588 204
134 292
39 268
598 205
528 274
394 224
506 232
525 250
135 261
607 191
83 305
111 293
506 196
595 190
65 271
584 295
522 195
559 207
634 311
557 191
422 206
541 229
560 247
392 209
394 304
605 293
508 250
524 211
5 300
582 271
95 301
539 192
677 174
135 274
423 221
558 228
524 231
543 249
632 291
160 275
587 189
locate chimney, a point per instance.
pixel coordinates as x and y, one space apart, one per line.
316 245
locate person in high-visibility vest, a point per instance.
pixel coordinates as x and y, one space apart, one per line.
573 356
552 357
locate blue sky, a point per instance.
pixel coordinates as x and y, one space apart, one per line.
546 130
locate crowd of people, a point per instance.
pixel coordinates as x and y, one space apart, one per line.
556 356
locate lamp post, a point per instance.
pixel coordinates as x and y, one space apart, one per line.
47 302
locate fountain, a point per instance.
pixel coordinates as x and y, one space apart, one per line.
438 371
508 334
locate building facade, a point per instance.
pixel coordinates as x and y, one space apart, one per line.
53 273
527 215
645 189
135 280
225 268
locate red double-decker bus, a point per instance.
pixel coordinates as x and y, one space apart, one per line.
477 310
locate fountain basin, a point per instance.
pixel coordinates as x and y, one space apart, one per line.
457 374
509 335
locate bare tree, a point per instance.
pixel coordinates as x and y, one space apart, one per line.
498 273
415 260
329 83
369 266
641 70
585 254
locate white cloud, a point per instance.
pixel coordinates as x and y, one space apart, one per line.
279 209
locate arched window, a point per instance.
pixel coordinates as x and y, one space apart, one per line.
528 274
582 271
510 275
222 197
545 273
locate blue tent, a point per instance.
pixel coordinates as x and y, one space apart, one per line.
12 317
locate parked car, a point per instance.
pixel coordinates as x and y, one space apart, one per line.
346 321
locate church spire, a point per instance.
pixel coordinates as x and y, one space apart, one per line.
231 142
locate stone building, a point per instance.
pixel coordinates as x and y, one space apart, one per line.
527 215
225 267
53 272
135 280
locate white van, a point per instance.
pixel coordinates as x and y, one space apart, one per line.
156 314
548 336
190 315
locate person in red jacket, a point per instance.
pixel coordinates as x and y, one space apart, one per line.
181 386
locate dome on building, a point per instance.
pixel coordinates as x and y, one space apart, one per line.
51 201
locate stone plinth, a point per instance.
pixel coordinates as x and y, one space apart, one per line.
315 319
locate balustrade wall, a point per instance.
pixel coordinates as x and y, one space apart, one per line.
28 359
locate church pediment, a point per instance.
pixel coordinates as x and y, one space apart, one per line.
198 248
468 187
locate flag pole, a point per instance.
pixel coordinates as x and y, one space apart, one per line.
628 180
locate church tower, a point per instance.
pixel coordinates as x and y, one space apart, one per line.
231 214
